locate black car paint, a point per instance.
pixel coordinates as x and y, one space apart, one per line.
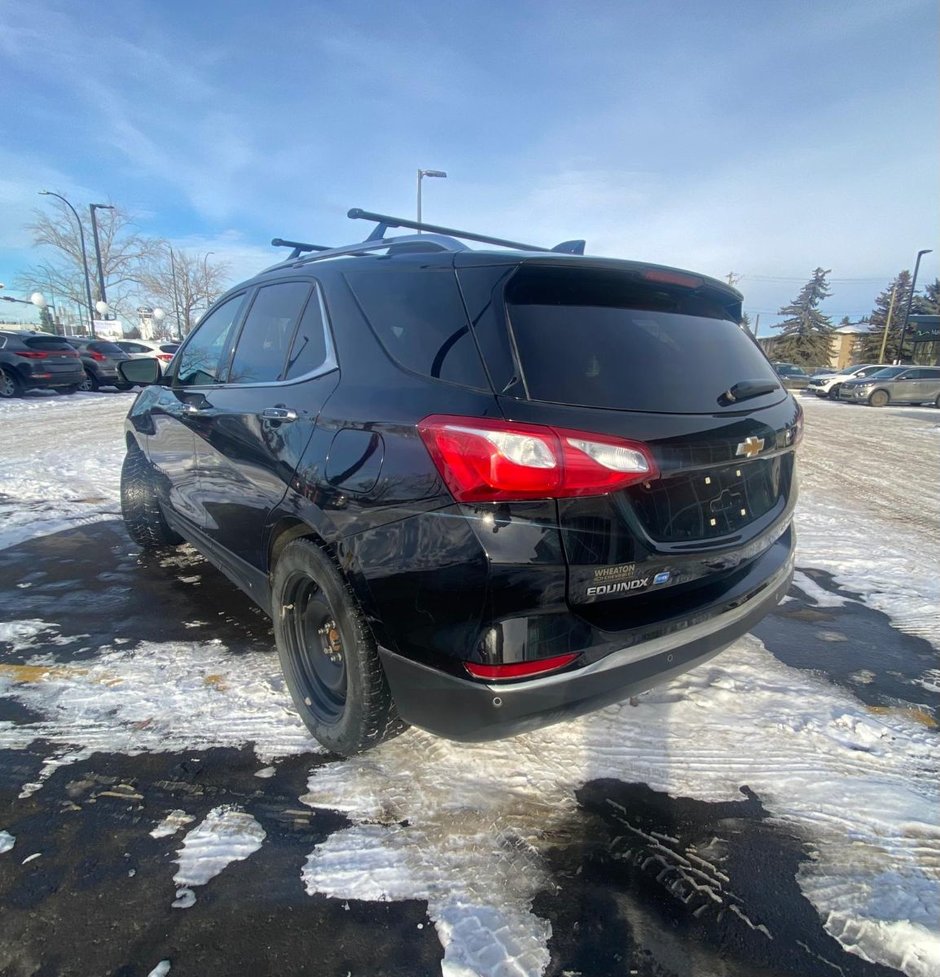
442 583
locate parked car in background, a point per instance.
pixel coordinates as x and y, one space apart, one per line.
895 385
31 360
142 348
794 377
475 489
100 359
829 384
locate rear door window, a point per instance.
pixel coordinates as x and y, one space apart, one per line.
600 339
418 317
106 349
261 353
47 343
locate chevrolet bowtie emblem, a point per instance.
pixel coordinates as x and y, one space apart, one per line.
750 447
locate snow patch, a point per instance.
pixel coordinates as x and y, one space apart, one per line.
161 969
465 827
7 841
171 824
226 835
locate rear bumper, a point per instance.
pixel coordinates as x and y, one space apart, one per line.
470 711
41 380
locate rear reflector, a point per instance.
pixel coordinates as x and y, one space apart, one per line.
494 673
482 460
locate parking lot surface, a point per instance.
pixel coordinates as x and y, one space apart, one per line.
773 812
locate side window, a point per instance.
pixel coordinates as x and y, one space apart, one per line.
418 316
308 351
202 357
261 352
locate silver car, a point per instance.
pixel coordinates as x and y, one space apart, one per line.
895 385
829 384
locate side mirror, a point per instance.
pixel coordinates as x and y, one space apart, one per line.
142 372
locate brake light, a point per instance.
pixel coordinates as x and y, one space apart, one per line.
31 354
99 357
672 278
483 460
166 357
519 669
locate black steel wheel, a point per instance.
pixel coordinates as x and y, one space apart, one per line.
90 383
879 398
143 518
328 654
10 385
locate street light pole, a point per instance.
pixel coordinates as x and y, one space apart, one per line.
910 299
421 175
102 295
205 276
81 238
176 295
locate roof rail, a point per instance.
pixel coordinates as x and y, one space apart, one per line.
384 222
298 246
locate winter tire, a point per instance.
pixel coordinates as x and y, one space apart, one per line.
90 383
879 398
10 385
328 654
68 391
143 518
123 386
833 393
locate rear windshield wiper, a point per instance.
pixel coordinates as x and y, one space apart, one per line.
746 389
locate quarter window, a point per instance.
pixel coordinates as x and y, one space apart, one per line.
203 355
308 351
261 353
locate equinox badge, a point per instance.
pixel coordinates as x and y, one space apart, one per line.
750 447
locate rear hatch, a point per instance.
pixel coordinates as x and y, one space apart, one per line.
56 355
657 357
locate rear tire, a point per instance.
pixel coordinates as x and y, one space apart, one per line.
936 403
68 391
328 654
90 383
143 518
10 385
833 392
123 386
879 398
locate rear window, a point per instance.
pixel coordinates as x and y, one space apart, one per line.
597 339
47 343
108 349
169 347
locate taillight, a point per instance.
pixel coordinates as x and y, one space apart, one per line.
31 354
166 357
37 354
666 277
483 460
494 673
99 357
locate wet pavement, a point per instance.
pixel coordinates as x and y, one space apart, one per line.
640 883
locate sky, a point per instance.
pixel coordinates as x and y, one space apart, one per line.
757 139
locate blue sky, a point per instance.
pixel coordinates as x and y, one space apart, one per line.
759 138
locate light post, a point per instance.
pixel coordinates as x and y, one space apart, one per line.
421 175
102 295
205 277
81 238
910 299
37 299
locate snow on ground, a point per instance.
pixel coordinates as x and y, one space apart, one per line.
60 462
464 827
226 835
7 841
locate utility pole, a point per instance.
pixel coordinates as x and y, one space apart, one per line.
756 325
176 296
884 338
102 296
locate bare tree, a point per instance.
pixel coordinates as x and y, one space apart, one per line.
184 284
124 254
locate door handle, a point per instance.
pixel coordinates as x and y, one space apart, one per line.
279 414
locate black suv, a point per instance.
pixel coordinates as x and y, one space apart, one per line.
477 491
31 359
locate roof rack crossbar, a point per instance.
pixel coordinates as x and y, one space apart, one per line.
299 247
429 243
384 222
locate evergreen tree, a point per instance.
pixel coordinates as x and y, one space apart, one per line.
806 334
870 346
929 302
46 323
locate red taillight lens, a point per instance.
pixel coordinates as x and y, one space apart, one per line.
482 460
666 277
494 673
99 357
32 354
166 357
